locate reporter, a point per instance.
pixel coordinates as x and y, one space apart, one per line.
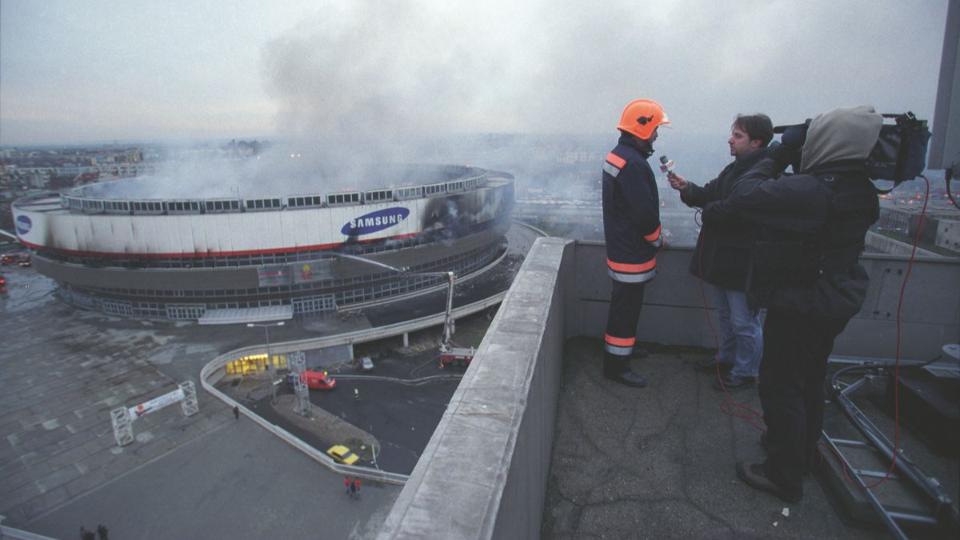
721 256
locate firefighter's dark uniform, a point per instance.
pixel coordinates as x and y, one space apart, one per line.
631 226
804 269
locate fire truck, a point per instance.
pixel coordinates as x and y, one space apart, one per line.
456 356
315 380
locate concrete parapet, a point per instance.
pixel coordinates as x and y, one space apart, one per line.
484 472
885 244
673 304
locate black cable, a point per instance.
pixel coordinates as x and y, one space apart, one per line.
948 175
866 366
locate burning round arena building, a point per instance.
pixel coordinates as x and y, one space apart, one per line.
199 258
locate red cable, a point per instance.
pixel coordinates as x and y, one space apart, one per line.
749 415
896 368
839 458
730 406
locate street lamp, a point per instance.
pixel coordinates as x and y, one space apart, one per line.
266 331
448 322
373 448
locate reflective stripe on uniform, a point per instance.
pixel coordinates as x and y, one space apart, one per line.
613 164
619 341
616 160
610 169
632 268
618 351
632 273
618 345
632 278
654 236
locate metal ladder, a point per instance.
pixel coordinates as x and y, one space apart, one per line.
941 511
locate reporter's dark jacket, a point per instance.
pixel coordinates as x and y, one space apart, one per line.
723 249
631 212
811 226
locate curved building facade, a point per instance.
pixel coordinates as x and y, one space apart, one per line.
181 258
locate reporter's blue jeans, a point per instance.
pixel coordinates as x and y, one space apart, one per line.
740 332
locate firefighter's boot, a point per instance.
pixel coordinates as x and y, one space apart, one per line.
617 369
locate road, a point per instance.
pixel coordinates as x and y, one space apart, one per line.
233 482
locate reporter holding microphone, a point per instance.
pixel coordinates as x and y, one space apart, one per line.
722 254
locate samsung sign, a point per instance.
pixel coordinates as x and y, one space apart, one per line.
375 221
24 224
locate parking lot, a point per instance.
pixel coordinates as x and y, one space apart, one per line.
394 407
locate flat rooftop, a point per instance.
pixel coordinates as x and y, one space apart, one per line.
658 462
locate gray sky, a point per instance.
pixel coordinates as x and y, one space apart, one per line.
89 71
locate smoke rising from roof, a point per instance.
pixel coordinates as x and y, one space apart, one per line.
271 175
376 73
364 82
383 75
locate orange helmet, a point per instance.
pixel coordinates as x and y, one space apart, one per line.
641 117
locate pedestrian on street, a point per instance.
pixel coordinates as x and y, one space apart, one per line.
356 393
86 535
353 490
347 482
356 487
102 532
236 412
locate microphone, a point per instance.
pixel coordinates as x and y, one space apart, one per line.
666 165
676 182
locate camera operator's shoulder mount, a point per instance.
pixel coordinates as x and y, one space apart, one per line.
900 152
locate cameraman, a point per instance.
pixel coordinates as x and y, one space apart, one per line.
804 269
722 252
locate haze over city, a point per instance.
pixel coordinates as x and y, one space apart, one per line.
368 73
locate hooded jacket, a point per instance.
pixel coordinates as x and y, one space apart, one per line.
811 225
631 212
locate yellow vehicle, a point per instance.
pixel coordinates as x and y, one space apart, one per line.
342 454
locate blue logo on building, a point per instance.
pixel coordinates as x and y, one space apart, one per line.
24 224
375 221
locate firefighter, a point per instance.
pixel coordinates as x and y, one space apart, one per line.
631 228
804 268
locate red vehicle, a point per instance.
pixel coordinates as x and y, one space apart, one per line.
8 259
3 285
318 380
456 356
